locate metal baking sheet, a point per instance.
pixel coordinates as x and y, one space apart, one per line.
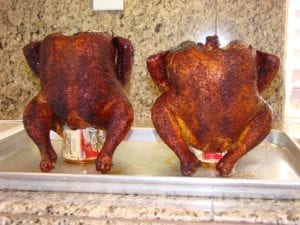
143 164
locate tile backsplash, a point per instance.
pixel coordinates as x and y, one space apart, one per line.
151 26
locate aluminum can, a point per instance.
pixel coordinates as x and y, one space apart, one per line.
207 157
82 145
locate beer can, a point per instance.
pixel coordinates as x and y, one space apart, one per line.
82 145
207 157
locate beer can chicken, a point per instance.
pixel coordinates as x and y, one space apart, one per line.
82 78
211 100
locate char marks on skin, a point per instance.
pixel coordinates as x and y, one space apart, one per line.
80 89
214 96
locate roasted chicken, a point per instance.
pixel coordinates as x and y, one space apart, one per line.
211 100
82 78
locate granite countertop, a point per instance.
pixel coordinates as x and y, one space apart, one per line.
25 207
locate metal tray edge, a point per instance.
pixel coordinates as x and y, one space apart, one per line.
177 186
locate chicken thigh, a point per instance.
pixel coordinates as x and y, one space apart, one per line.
211 100
82 78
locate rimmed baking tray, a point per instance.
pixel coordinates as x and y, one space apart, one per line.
143 164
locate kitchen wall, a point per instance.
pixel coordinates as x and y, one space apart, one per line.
152 26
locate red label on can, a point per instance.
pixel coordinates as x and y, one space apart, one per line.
86 145
212 155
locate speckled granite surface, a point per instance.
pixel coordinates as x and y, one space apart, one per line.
152 26
73 208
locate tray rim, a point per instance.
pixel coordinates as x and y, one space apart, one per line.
172 186
112 178
11 131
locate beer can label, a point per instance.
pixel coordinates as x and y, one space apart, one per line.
82 145
207 157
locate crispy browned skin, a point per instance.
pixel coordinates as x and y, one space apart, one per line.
211 100
81 86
